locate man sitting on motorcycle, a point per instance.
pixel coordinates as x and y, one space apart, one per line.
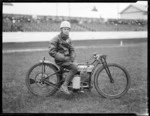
61 49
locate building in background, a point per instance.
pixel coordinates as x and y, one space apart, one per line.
134 11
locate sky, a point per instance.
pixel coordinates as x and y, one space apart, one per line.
105 10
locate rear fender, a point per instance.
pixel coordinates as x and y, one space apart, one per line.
54 66
50 63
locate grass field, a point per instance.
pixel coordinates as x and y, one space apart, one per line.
17 99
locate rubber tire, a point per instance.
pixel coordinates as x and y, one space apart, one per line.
28 82
96 81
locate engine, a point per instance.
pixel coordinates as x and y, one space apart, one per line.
85 71
83 75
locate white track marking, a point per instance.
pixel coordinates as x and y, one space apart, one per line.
78 47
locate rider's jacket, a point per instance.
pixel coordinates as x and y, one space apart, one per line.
60 46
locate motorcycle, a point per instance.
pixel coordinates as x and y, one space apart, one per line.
109 79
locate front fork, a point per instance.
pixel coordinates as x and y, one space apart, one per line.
103 61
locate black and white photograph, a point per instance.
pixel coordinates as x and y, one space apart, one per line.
75 57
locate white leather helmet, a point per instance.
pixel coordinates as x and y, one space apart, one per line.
65 24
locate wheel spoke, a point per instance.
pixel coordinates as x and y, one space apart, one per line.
42 82
50 84
115 89
51 75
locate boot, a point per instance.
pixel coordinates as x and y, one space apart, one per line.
64 88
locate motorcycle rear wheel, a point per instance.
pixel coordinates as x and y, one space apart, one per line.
35 75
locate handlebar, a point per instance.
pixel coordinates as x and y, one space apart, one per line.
98 57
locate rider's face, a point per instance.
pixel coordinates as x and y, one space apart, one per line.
66 30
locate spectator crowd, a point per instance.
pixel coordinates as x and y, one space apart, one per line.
15 23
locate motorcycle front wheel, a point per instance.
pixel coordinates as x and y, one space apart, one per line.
117 88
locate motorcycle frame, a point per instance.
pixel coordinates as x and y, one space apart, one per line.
100 60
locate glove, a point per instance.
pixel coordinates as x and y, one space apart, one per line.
59 57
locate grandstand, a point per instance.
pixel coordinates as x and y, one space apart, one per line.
27 23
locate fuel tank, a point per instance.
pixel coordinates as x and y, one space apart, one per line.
84 67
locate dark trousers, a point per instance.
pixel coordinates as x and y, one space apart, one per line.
72 70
